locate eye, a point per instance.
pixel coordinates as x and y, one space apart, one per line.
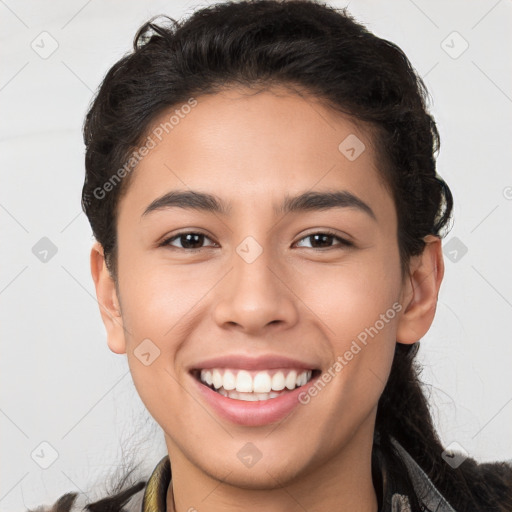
188 240
323 238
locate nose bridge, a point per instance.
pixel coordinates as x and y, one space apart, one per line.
252 276
253 254
254 295
256 257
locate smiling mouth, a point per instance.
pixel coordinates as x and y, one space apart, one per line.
252 386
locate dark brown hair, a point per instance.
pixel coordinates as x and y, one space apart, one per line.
314 47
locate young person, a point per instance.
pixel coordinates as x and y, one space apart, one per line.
261 183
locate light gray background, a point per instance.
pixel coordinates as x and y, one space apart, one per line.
61 385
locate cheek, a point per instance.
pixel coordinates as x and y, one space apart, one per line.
159 299
161 305
350 296
358 308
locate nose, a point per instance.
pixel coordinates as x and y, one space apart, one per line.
257 293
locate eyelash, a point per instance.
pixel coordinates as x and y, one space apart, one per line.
343 242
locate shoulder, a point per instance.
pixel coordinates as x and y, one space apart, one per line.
488 483
127 500
426 492
147 494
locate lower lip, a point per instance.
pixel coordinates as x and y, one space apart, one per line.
253 414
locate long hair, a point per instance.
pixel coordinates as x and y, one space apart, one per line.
320 49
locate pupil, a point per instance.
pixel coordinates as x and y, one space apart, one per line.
328 237
188 244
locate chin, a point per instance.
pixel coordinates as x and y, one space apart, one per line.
266 473
262 479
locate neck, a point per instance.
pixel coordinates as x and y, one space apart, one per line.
340 482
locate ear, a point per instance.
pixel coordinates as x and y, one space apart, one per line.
108 301
420 291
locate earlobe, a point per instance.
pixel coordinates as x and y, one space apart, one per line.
420 292
108 300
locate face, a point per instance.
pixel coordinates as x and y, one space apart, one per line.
262 330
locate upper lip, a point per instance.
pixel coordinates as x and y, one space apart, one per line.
243 362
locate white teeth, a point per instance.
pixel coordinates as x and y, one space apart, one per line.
244 381
291 380
278 382
302 379
262 383
242 385
229 382
206 376
248 397
217 379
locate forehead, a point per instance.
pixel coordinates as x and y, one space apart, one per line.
245 145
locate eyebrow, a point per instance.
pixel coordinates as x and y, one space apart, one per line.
307 201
